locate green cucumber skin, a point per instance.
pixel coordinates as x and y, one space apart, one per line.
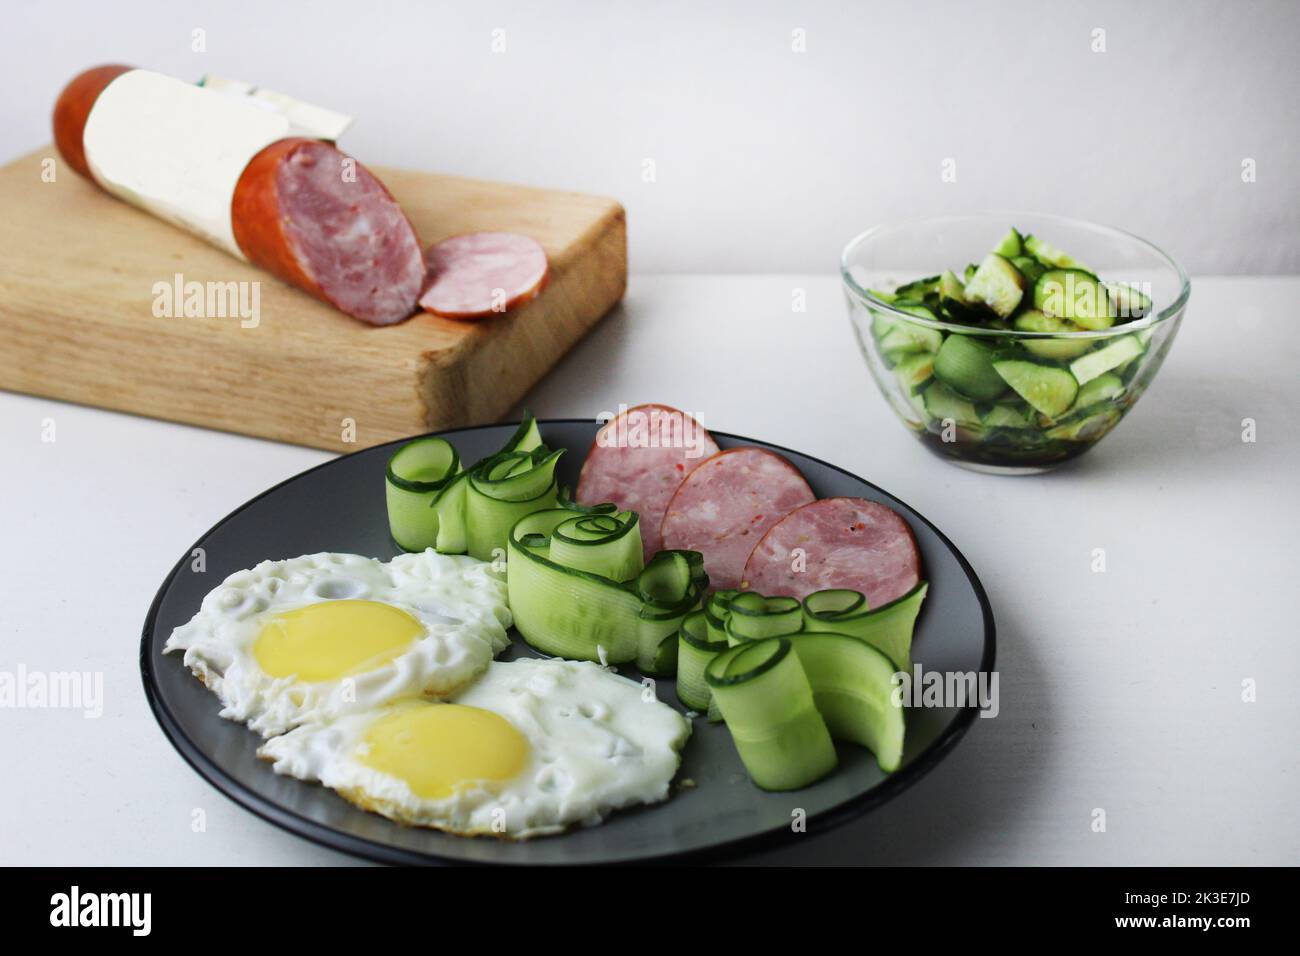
941 403
584 615
412 522
770 711
965 364
887 628
918 289
1049 389
1111 356
1075 295
1050 256
1012 245
853 690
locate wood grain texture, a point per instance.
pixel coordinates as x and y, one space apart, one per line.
77 322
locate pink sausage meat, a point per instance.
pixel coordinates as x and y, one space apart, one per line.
726 505
637 461
481 273
846 543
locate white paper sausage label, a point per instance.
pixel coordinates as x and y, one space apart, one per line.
177 149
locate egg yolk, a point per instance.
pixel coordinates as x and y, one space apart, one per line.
334 639
439 748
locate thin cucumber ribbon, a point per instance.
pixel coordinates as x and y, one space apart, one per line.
887 628
788 676
578 588
434 503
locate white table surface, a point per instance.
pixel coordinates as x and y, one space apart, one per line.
1120 690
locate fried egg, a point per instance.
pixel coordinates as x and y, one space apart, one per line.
530 748
323 635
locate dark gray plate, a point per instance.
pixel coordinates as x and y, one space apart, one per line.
339 506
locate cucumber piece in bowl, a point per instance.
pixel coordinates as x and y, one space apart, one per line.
1115 355
1087 428
1050 256
1061 350
1050 389
914 369
965 364
899 335
918 290
1029 267
1012 244
996 284
1130 302
1103 388
1075 295
943 403
1007 416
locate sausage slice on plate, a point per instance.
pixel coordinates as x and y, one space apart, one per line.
726 505
848 543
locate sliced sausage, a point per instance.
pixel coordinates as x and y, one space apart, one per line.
310 214
637 461
725 506
229 171
836 543
483 273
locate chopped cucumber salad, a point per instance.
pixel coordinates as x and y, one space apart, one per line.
1023 394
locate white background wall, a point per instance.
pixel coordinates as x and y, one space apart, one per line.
766 159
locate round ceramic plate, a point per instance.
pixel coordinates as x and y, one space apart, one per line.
339 506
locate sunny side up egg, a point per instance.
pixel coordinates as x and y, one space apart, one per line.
530 748
323 635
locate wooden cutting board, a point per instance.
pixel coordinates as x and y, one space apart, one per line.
77 322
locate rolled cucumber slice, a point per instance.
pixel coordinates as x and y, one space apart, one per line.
965 364
717 611
416 475
669 588
754 617
853 690
942 403
766 699
996 284
583 613
1075 295
1049 389
696 647
1112 356
503 489
887 628
433 503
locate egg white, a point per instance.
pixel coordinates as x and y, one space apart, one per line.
597 742
460 601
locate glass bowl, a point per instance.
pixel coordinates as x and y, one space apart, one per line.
984 423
